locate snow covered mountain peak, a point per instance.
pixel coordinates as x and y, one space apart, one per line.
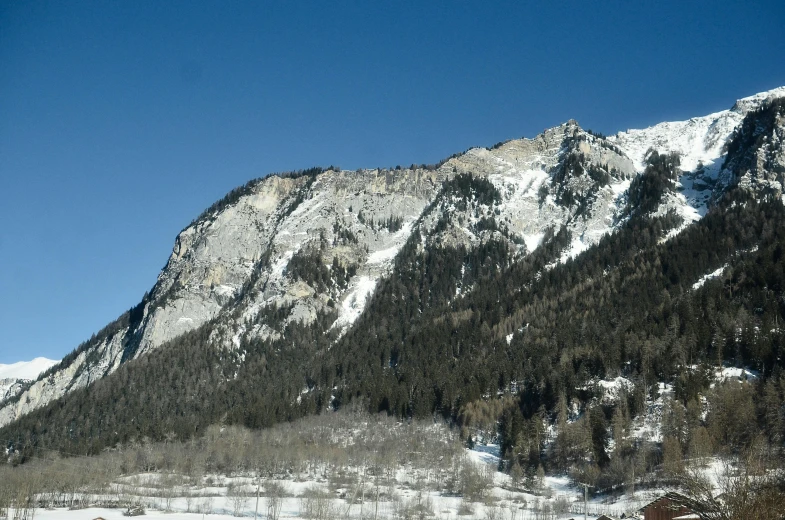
701 143
744 105
698 140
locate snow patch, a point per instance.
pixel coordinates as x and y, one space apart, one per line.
612 388
533 241
388 254
736 374
577 246
384 255
485 454
236 339
224 290
714 274
279 267
355 300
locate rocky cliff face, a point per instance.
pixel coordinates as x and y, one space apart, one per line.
756 159
317 243
10 388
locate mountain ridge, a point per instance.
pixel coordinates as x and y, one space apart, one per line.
344 229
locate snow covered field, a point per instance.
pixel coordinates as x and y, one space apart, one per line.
302 499
411 496
558 500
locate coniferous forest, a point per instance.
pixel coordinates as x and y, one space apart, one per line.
625 307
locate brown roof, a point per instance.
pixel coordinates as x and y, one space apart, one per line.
671 495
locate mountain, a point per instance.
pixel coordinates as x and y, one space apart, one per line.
516 268
239 255
13 376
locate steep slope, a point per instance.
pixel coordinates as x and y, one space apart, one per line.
452 325
319 241
293 251
756 157
564 176
701 143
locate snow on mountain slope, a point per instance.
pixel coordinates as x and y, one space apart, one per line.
699 139
524 171
701 144
696 140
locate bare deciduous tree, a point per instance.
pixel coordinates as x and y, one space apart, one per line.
748 492
238 498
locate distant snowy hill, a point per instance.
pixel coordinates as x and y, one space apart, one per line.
26 369
12 376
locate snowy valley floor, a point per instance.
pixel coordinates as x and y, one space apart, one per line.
411 497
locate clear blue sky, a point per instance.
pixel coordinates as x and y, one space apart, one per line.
120 121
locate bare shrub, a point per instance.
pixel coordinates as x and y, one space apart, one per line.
205 506
748 491
417 508
190 500
561 506
475 483
316 504
275 493
465 509
493 513
238 498
168 485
